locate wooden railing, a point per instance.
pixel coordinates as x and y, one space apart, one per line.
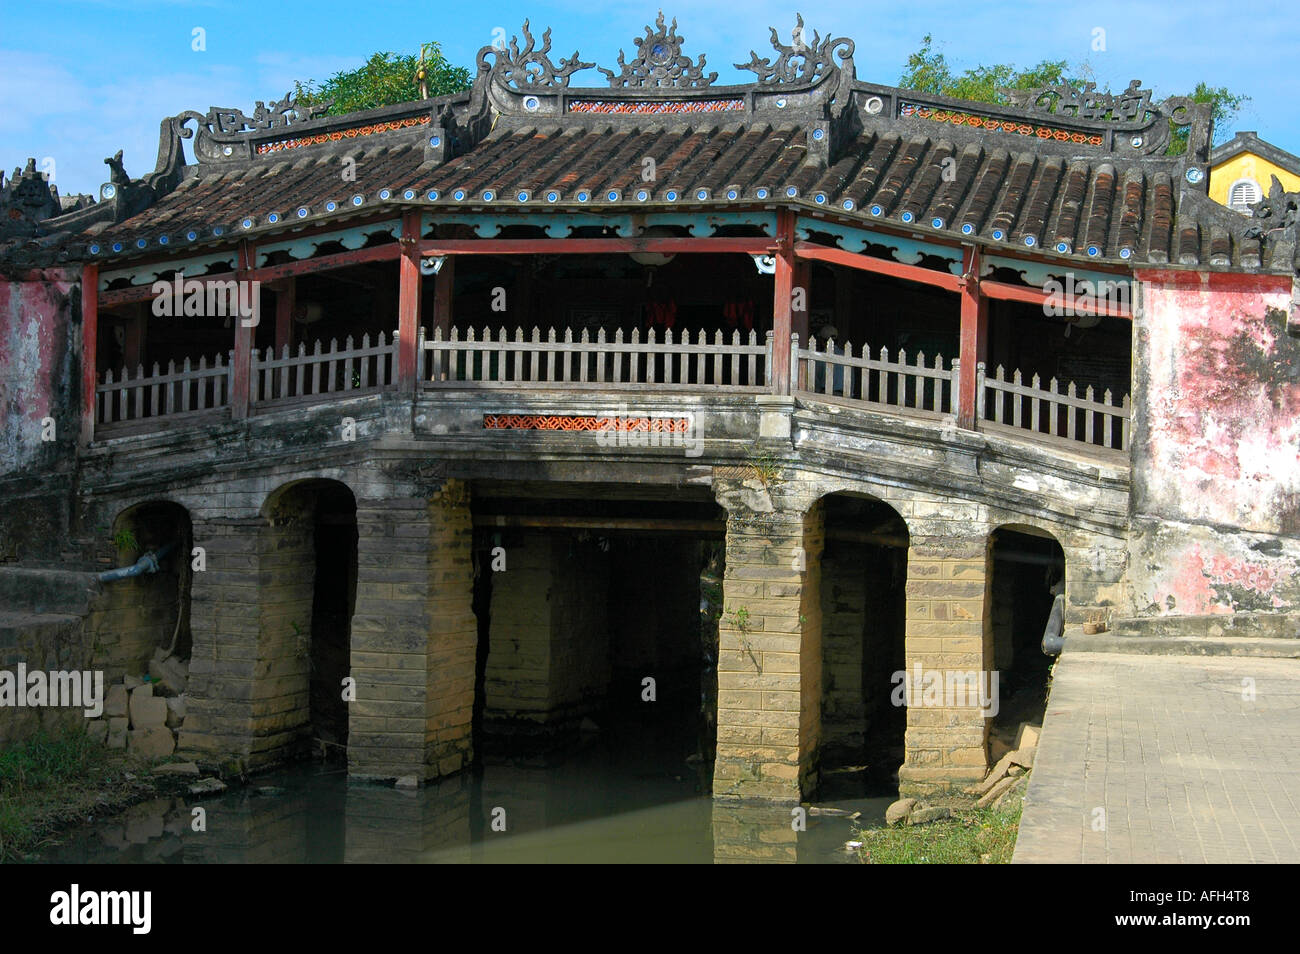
834 373
322 375
171 393
825 371
599 363
1047 411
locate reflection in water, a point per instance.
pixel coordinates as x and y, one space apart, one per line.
627 794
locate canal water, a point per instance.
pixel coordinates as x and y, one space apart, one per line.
627 793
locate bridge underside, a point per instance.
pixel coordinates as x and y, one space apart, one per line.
510 579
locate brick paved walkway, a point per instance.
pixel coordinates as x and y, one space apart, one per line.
1184 768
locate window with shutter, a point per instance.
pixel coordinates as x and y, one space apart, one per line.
1243 194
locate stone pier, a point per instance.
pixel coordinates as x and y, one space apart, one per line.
770 655
949 638
413 637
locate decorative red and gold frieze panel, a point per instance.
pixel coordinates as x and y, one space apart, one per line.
585 422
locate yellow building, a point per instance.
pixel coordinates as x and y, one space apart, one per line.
1242 169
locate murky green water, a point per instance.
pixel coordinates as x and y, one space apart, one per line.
606 798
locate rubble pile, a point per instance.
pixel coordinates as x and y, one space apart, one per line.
143 714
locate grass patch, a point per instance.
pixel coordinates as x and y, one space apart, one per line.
53 780
971 837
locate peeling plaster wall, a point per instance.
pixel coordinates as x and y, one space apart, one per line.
1216 467
37 369
40 347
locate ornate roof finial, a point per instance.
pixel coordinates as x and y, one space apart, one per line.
529 68
800 63
659 62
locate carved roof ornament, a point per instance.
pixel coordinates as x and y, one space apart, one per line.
660 63
529 68
1278 210
800 63
1131 106
1130 109
222 125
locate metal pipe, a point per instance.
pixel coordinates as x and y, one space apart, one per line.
146 564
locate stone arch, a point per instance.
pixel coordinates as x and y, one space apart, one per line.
307 594
146 612
1026 569
863 635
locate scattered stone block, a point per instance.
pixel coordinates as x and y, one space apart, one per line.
408 782
1014 792
144 689
996 791
152 742
131 682
117 729
1027 737
148 711
996 774
97 730
897 813
177 768
923 816
115 701
208 786
1023 757
175 711
171 674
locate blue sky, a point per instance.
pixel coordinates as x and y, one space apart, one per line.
80 80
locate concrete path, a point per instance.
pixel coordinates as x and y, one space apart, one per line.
1166 759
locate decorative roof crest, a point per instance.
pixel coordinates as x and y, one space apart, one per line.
223 125
800 63
529 68
660 63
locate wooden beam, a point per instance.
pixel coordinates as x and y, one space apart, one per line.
974 338
782 303
867 263
408 302
594 246
650 525
89 341
1036 296
377 253
242 362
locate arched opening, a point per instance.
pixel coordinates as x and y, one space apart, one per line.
145 612
863 602
596 682
1026 575
310 555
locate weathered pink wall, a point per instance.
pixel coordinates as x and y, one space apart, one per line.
1216 456
37 367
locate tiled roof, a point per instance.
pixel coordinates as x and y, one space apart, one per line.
1041 182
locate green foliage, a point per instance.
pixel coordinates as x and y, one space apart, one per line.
979 836
765 466
36 772
1224 106
928 71
125 541
385 79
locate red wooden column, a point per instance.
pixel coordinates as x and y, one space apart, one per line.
408 301
974 337
286 297
241 364
782 312
89 345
